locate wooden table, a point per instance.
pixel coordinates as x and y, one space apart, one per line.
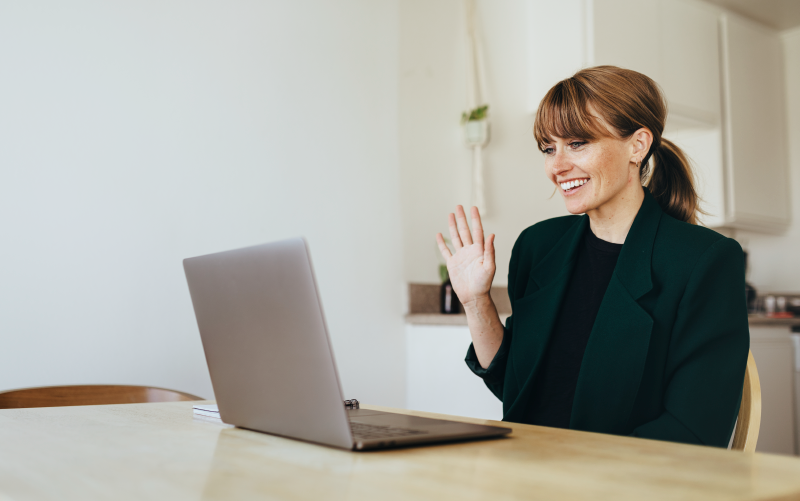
161 451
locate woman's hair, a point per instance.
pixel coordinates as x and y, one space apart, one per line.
627 101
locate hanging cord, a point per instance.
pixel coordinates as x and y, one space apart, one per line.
476 96
480 201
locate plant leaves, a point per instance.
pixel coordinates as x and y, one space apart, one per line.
474 115
443 274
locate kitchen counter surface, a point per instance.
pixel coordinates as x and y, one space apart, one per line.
423 308
764 320
441 319
461 319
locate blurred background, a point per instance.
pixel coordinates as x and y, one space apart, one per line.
135 134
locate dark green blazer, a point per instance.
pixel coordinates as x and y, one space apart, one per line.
667 354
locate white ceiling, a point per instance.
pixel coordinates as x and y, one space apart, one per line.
780 14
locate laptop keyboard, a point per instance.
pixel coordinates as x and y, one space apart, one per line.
364 431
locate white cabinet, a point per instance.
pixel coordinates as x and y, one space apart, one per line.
723 79
438 380
757 187
679 49
690 60
773 352
622 39
742 164
704 147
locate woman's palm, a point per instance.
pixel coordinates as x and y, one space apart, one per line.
472 266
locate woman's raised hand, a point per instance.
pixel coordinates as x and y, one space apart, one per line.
472 266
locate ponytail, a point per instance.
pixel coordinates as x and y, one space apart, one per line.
671 182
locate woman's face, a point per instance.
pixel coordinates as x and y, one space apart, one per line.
591 173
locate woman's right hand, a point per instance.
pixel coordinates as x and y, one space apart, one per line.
472 266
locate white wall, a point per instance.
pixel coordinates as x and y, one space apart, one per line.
774 264
435 165
135 134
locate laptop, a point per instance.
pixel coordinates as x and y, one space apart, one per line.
270 357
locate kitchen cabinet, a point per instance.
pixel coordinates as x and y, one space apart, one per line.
773 352
438 380
704 147
690 61
679 50
722 75
756 163
742 164
620 38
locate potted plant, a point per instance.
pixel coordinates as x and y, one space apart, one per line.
476 126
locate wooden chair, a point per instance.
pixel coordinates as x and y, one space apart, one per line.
745 435
60 396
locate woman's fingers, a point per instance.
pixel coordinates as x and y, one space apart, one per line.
463 227
477 227
459 229
488 251
451 223
443 247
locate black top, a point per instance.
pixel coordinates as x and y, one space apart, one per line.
554 386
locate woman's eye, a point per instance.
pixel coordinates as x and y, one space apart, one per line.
576 144
547 151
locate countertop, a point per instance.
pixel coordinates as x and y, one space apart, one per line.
423 307
764 320
440 319
461 319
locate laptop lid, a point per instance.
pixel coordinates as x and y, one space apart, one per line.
266 342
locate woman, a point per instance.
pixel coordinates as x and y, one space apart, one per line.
629 319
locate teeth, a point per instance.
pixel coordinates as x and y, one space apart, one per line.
572 184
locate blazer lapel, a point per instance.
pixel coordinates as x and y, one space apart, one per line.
535 313
615 356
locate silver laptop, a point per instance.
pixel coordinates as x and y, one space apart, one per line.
270 357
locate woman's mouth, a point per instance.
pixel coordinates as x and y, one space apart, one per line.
573 185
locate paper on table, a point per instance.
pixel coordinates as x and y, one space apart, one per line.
206 410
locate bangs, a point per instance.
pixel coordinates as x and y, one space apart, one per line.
564 113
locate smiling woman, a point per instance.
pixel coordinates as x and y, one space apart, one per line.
628 318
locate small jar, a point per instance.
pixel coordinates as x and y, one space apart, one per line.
448 300
769 305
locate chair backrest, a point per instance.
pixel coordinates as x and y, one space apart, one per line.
60 396
745 435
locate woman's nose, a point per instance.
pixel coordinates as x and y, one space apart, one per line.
559 164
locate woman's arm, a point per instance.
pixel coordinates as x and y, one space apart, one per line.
707 353
471 270
485 328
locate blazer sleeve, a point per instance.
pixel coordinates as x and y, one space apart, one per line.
494 375
707 354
